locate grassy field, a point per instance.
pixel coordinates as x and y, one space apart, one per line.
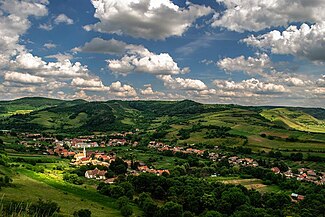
16 112
245 123
295 119
53 120
32 186
155 159
256 184
257 142
249 124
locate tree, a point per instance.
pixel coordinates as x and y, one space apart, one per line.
171 209
43 208
276 201
122 201
126 211
1 145
72 178
82 213
118 166
235 197
159 193
109 174
147 204
116 191
128 189
212 214
188 214
296 156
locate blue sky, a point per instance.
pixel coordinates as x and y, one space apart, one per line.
267 52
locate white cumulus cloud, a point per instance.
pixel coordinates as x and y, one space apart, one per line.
122 90
150 19
250 65
140 59
23 78
182 83
148 91
306 41
251 85
92 82
99 45
62 69
255 15
62 18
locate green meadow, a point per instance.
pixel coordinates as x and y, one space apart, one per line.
29 185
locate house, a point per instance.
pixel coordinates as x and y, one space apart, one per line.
95 174
129 162
276 170
288 174
296 197
301 197
68 153
110 181
301 170
160 172
101 163
302 177
116 142
85 159
33 135
143 168
311 173
50 151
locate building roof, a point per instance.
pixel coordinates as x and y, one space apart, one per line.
96 172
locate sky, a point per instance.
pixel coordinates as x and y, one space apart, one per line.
248 52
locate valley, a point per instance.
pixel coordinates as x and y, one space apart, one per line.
139 152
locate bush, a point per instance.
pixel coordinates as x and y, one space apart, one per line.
171 209
72 178
126 210
296 156
212 214
122 201
43 208
82 213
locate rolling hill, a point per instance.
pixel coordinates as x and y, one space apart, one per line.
30 104
296 119
259 128
42 114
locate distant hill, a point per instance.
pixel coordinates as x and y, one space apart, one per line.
296 119
26 105
43 114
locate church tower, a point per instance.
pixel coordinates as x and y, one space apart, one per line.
85 153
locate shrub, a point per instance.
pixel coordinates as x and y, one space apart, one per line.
126 210
82 213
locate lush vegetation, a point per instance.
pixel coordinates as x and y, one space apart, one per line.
34 183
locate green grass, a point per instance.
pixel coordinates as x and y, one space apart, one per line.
16 112
31 186
253 183
264 143
30 189
250 124
295 119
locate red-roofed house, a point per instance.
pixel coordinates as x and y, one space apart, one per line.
95 174
276 170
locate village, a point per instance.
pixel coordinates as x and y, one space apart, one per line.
109 159
76 150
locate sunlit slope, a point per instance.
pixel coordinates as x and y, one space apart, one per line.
295 119
30 104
